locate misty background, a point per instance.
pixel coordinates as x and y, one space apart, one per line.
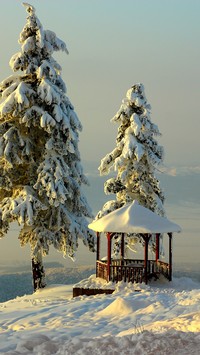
181 204
113 45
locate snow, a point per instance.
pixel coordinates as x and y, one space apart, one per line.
161 318
134 218
20 96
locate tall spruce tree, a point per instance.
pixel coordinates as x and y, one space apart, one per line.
135 158
40 167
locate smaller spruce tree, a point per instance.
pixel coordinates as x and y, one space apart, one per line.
135 159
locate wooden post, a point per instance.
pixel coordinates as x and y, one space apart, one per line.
98 245
122 246
146 240
98 253
157 246
170 256
108 255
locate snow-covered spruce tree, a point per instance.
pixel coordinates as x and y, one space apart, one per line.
135 158
40 167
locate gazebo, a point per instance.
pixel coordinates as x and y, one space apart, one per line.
133 219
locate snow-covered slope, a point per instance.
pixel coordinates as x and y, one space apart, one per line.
153 320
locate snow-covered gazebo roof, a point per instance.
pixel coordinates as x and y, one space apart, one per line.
134 218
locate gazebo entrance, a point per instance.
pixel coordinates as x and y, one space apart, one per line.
133 270
133 219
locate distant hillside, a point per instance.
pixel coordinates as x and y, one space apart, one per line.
20 283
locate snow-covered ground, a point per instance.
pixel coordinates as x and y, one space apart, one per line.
161 318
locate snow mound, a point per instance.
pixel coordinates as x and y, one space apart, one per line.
94 282
118 308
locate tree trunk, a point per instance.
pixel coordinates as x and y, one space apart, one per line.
38 273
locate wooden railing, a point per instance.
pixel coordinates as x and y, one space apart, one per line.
126 273
129 270
101 269
126 262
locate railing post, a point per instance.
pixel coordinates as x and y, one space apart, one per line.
170 256
146 240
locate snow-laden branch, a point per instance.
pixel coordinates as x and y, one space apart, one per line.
24 208
20 98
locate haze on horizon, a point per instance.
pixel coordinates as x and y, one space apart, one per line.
113 45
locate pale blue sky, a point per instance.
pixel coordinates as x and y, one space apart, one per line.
114 44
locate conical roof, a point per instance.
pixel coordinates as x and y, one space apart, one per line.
134 218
